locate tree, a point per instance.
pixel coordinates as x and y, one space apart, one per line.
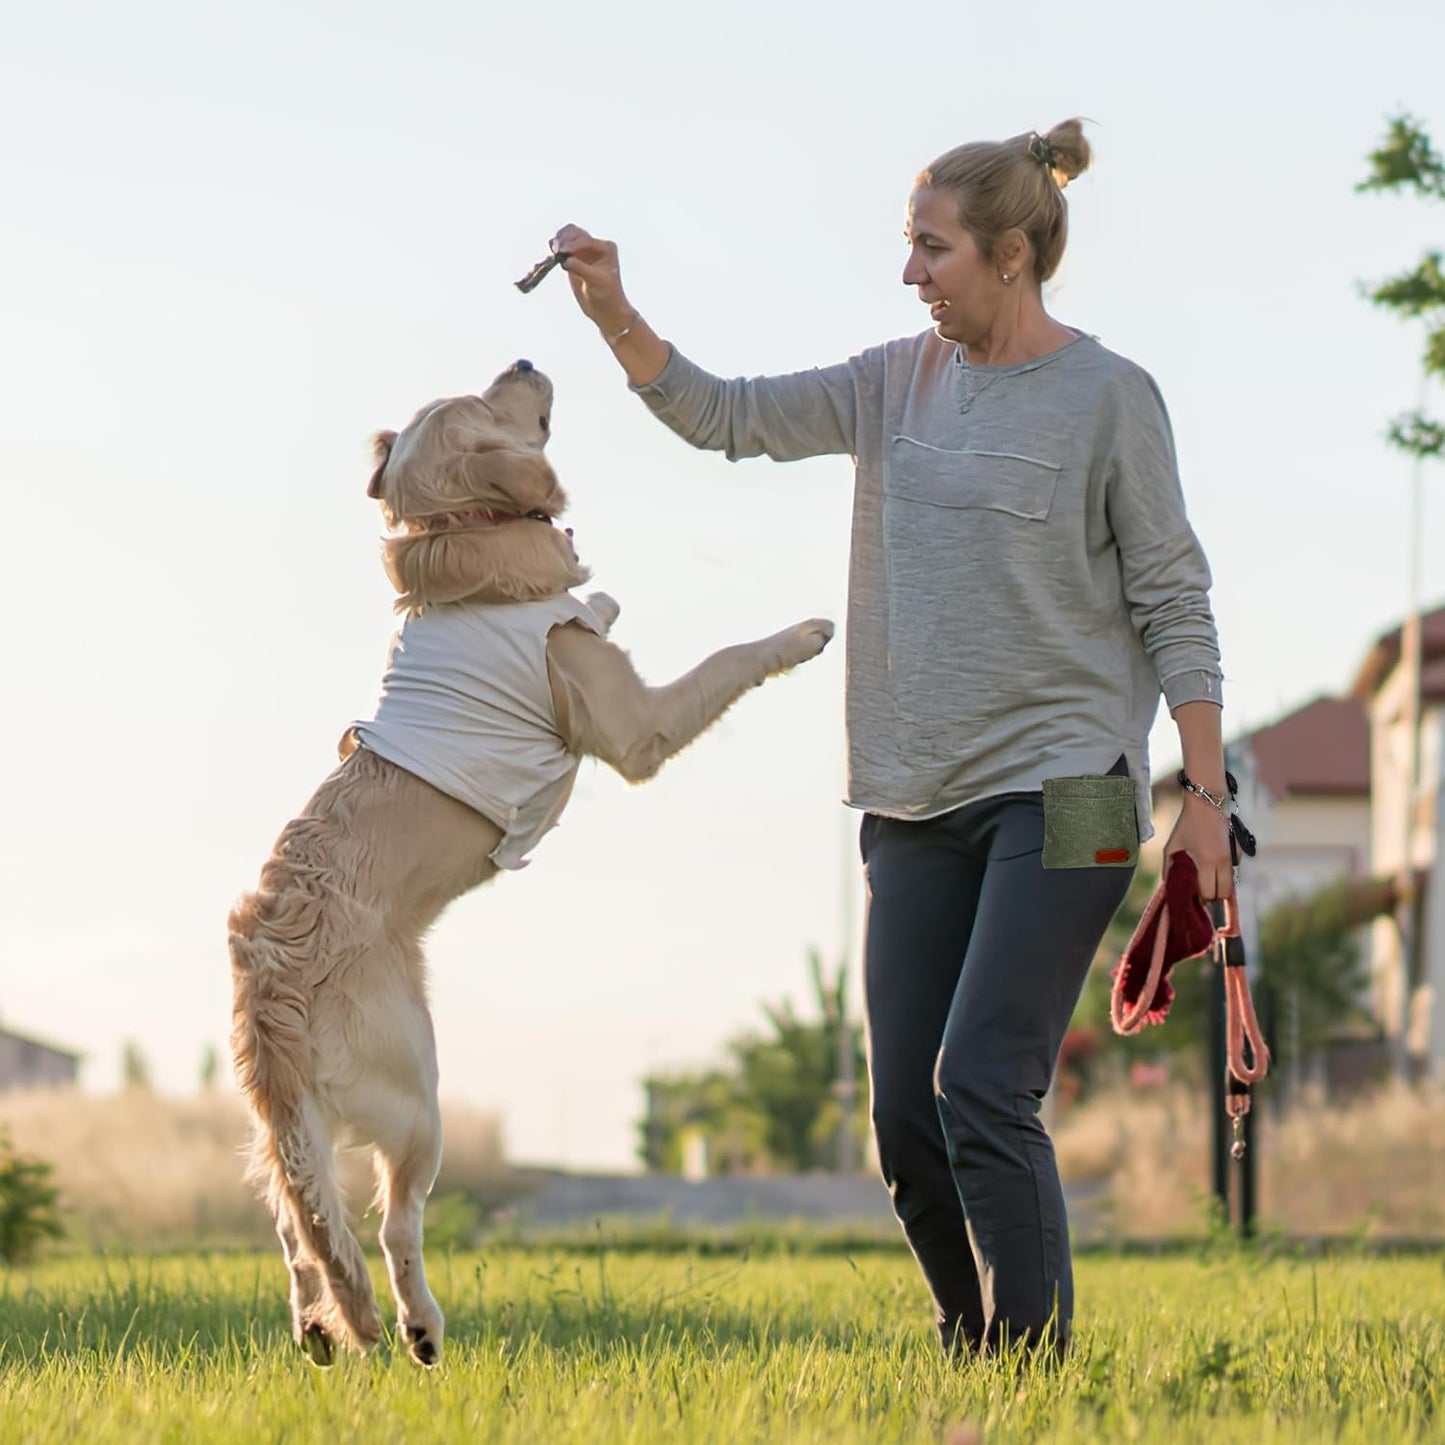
135 1069
29 1210
791 1076
707 1103
1310 963
776 1104
1407 161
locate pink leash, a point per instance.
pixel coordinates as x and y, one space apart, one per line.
1241 1022
1247 1055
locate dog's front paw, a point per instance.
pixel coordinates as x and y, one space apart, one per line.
604 608
806 640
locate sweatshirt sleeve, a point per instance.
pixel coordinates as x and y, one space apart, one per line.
805 414
1165 575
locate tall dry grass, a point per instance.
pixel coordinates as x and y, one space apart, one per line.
148 1171
1374 1166
144 1170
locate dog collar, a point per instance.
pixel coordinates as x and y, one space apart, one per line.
478 517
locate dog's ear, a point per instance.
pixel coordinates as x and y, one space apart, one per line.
381 445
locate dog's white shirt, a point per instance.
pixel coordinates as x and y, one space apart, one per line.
466 705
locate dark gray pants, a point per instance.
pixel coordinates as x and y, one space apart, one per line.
975 957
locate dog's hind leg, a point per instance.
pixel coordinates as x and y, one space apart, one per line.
392 1101
281 938
311 1301
304 1188
404 1179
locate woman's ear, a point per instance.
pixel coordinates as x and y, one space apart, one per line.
1011 254
381 445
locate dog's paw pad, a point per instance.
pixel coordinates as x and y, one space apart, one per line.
317 1343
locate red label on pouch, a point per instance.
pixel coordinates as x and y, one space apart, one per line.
1112 855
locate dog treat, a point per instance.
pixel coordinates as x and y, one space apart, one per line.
533 278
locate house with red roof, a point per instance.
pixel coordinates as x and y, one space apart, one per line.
1311 804
1405 702
1332 792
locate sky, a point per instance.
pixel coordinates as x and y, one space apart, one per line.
236 241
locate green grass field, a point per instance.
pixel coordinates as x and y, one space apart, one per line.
610 1346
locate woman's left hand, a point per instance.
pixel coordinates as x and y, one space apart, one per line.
1203 833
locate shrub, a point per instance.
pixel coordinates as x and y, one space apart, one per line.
29 1204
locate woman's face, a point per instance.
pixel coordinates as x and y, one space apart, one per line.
961 289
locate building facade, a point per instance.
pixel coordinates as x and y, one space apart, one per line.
27 1063
1406 709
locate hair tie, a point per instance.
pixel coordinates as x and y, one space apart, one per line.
1047 155
1042 151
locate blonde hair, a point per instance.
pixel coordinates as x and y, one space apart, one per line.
1015 184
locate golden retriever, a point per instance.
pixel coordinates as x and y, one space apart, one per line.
499 683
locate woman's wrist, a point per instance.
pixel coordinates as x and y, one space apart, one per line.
613 314
1201 745
642 354
1196 800
615 331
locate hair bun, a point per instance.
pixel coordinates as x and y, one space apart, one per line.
1063 149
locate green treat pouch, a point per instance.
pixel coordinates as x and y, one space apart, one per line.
1090 823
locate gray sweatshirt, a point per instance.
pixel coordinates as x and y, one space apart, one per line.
1024 579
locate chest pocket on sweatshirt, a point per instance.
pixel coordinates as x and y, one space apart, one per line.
994 481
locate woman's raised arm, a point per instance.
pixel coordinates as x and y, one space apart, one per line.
803 414
592 268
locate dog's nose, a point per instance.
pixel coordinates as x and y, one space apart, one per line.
523 366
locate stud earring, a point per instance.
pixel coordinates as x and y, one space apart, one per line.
1006 278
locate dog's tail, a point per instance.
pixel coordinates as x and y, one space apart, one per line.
279 944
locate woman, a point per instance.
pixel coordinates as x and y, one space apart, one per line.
1024 582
